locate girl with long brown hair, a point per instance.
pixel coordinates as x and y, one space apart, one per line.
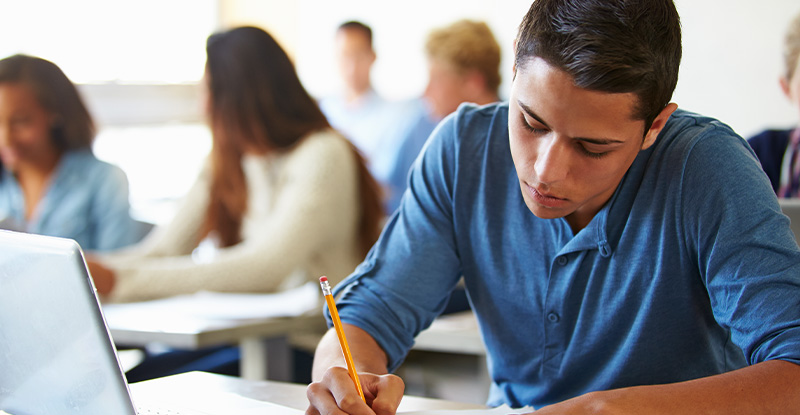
282 199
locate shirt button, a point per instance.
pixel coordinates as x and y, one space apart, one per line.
553 317
562 260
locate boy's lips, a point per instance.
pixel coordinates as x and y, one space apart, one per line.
544 198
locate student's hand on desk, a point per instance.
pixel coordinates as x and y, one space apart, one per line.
336 394
103 277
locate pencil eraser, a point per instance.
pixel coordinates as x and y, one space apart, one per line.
323 279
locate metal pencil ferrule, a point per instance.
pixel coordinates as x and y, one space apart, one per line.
326 287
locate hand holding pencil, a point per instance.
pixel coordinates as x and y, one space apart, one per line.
337 389
337 324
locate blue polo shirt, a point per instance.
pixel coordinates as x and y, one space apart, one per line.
689 270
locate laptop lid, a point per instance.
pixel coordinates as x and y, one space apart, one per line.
56 354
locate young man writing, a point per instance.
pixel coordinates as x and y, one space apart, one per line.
622 256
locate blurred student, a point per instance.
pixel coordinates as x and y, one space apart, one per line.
357 111
50 181
283 197
463 66
778 150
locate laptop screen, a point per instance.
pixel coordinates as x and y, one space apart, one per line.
56 356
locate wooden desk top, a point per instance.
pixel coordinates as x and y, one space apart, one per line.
292 395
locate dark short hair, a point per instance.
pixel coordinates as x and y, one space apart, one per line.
73 127
615 46
359 27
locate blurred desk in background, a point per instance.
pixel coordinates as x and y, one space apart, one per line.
448 361
452 333
259 323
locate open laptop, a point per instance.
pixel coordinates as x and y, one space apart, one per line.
56 354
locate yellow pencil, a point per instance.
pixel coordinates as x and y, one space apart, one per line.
337 324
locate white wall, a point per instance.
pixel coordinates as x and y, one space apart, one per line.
732 49
399 30
732 58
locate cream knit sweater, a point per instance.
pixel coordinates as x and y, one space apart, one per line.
301 223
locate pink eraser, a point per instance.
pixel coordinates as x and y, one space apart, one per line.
323 279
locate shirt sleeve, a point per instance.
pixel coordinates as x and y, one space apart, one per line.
114 228
409 274
745 250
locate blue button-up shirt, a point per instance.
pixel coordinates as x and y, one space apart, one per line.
689 270
86 200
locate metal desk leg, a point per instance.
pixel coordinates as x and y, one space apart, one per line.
266 359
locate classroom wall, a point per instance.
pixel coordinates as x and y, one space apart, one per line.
732 48
732 58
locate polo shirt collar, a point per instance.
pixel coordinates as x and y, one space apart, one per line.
593 236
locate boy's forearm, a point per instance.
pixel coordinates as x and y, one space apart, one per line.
766 388
367 355
771 387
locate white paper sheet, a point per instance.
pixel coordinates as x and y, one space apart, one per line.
500 410
229 403
216 404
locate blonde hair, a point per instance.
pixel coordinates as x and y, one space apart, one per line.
791 48
467 45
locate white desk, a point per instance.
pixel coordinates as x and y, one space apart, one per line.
263 342
288 394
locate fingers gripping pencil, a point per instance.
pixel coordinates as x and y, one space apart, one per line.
337 324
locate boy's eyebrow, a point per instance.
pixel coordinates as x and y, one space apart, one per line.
531 113
599 141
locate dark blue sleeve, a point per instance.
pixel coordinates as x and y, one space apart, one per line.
744 248
114 227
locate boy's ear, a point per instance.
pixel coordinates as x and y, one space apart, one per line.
785 87
658 124
514 59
